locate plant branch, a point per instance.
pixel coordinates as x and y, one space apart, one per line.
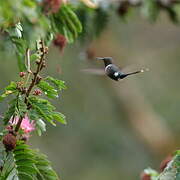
18 124
35 80
39 68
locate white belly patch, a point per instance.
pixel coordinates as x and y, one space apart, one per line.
116 74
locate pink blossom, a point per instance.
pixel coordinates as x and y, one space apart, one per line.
26 125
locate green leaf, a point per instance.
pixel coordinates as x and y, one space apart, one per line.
49 38
150 9
23 146
40 126
26 164
67 23
13 175
68 35
20 46
24 160
10 89
74 18
59 117
45 171
8 166
34 57
173 15
59 25
24 176
59 84
17 108
21 106
21 156
10 112
29 168
48 90
43 108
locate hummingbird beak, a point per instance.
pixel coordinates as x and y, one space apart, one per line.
99 58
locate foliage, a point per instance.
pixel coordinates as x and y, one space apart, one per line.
25 163
25 111
171 170
61 18
10 89
17 107
48 18
22 23
36 23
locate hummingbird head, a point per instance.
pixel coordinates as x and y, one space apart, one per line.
107 60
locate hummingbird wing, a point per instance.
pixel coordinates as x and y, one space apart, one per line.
93 71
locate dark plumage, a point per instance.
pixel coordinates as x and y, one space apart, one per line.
114 71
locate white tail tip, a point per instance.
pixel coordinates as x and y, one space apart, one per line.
143 70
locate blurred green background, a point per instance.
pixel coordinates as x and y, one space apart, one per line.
115 129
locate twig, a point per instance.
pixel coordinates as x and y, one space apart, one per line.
18 124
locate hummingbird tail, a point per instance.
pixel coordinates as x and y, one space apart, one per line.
136 72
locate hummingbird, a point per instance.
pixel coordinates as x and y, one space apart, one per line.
113 71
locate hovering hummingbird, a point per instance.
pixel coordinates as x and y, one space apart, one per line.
114 71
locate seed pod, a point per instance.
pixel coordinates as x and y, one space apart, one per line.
22 74
60 42
37 92
9 141
51 6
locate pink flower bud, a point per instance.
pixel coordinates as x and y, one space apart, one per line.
26 125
